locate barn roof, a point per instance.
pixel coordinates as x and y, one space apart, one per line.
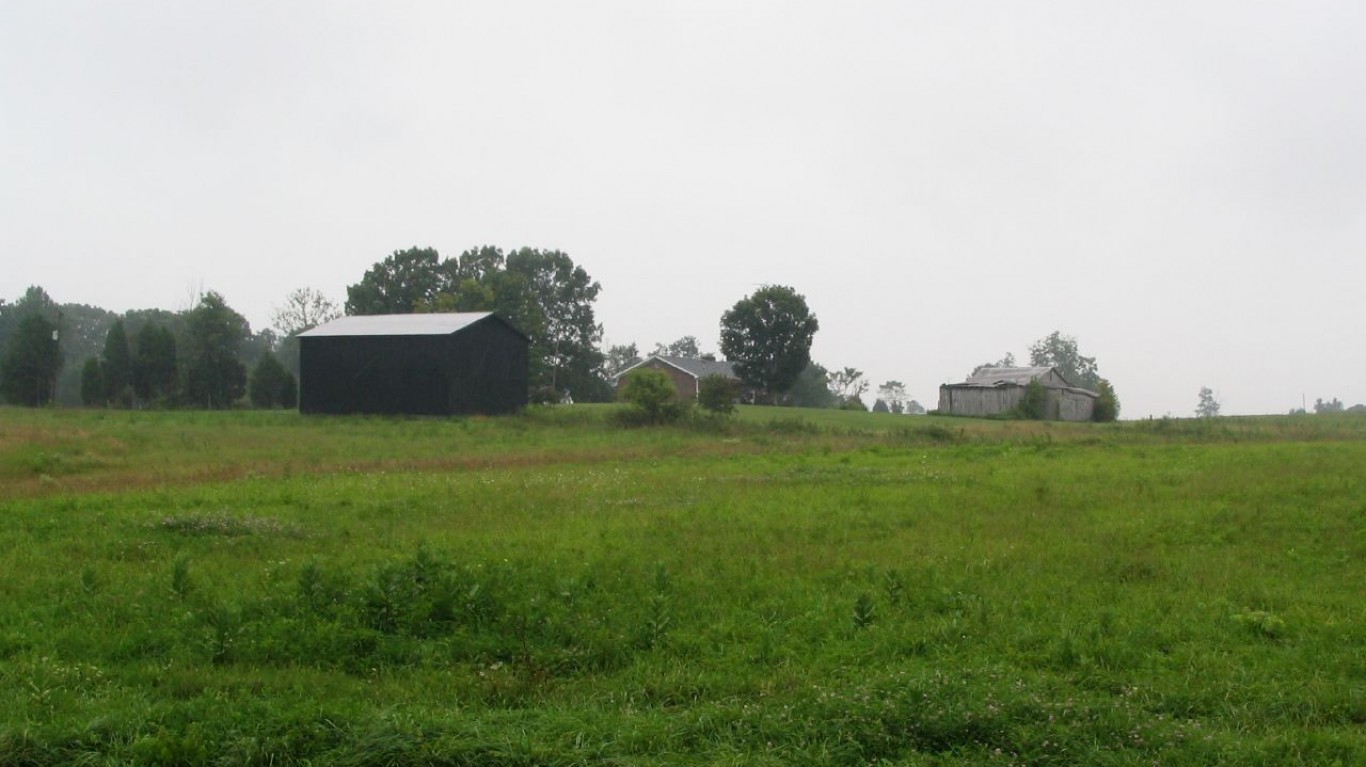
693 367
995 376
439 324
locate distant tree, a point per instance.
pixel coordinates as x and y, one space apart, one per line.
914 408
812 389
653 396
1008 361
716 394
893 393
768 336
28 375
154 363
400 283
1209 405
620 357
271 385
1107 403
1357 408
116 367
1335 406
854 403
880 406
1060 351
685 347
303 309
214 377
94 392
848 384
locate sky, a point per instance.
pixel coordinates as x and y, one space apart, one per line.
1181 186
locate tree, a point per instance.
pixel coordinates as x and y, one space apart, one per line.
400 283
1107 403
1335 406
94 392
32 361
214 377
685 347
1209 406
716 394
653 396
848 384
1060 351
271 385
116 366
1034 404
565 339
303 309
812 389
154 363
1008 361
880 406
893 393
620 357
914 408
768 336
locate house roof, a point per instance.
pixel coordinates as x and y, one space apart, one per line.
693 367
440 324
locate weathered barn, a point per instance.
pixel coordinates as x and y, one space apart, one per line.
687 373
995 390
420 364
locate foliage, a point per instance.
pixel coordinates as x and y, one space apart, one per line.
399 284
1107 403
155 364
914 408
214 377
94 392
1334 406
717 394
1034 404
1008 361
653 397
893 394
303 309
620 357
768 336
812 389
685 347
1208 406
880 406
1060 351
116 366
28 375
848 384
271 385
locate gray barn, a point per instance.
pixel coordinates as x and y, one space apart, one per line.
419 364
994 390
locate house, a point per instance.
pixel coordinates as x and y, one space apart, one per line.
419 364
994 390
687 373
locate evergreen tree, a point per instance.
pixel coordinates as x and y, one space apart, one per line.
214 377
94 391
32 361
154 364
116 367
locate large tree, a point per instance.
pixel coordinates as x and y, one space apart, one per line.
116 366
303 309
1060 351
768 336
684 347
400 283
32 361
154 363
812 389
214 377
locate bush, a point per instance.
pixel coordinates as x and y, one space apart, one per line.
653 398
1034 404
1107 404
716 394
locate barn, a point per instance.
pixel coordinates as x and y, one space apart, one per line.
995 390
685 372
419 364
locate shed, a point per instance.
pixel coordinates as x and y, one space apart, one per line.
687 373
419 364
994 390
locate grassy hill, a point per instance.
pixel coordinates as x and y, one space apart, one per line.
791 587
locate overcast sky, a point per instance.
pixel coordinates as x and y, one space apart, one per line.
1179 185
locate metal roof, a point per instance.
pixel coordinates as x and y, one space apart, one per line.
998 376
397 325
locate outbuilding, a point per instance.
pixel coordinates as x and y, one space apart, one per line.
419 364
995 390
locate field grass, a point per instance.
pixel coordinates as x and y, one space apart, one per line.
790 587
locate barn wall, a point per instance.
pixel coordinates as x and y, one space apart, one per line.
480 369
1073 406
979 401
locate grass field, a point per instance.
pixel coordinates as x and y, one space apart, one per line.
791 587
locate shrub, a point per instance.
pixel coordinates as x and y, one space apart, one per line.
652 395
717 394
1034 404
1107 404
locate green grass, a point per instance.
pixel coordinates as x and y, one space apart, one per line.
791 587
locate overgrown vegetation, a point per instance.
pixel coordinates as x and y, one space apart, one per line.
810 588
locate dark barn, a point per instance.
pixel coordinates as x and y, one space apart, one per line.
420 364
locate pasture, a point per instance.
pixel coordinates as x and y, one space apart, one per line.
790 587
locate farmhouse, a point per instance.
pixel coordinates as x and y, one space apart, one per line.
993 390
687 373
420 364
